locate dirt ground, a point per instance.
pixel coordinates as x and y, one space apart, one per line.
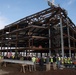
14 69
2 72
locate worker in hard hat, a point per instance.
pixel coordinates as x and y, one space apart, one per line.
0 60
34 61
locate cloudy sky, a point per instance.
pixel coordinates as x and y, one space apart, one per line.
13 10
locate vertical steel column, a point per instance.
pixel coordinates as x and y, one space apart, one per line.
7 45
73 41
68 39
17 38
32 43
29 42
2 42
10 37
49 41
62 42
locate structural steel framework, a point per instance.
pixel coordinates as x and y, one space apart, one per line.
50 30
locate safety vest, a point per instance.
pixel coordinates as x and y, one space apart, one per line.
51 60
0 57
13 56
71 62
59 58
62 60
68 60
65 60
44 60
33 59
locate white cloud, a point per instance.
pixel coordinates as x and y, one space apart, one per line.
70 2
3 21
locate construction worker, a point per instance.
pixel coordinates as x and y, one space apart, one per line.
62 60
69 62
37 60
54 63
0 60
58 61
47 64
0 56
51 61
65 61
41 63
62 63
13 56
34 61
44 59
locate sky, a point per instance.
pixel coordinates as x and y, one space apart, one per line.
13 10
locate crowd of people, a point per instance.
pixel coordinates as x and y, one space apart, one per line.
54 62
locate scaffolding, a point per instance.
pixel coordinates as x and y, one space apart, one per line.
49 31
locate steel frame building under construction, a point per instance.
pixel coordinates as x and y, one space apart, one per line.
49 31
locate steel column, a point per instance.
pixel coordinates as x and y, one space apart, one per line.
68 39
62 42
49 41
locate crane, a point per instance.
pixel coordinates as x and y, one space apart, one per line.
50 2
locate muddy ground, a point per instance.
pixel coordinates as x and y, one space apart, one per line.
14 69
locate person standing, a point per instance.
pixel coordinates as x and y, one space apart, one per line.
41 64
54 63
34 61
0 60
47 64
51 61
58 61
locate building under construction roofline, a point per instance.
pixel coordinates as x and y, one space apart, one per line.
49 31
